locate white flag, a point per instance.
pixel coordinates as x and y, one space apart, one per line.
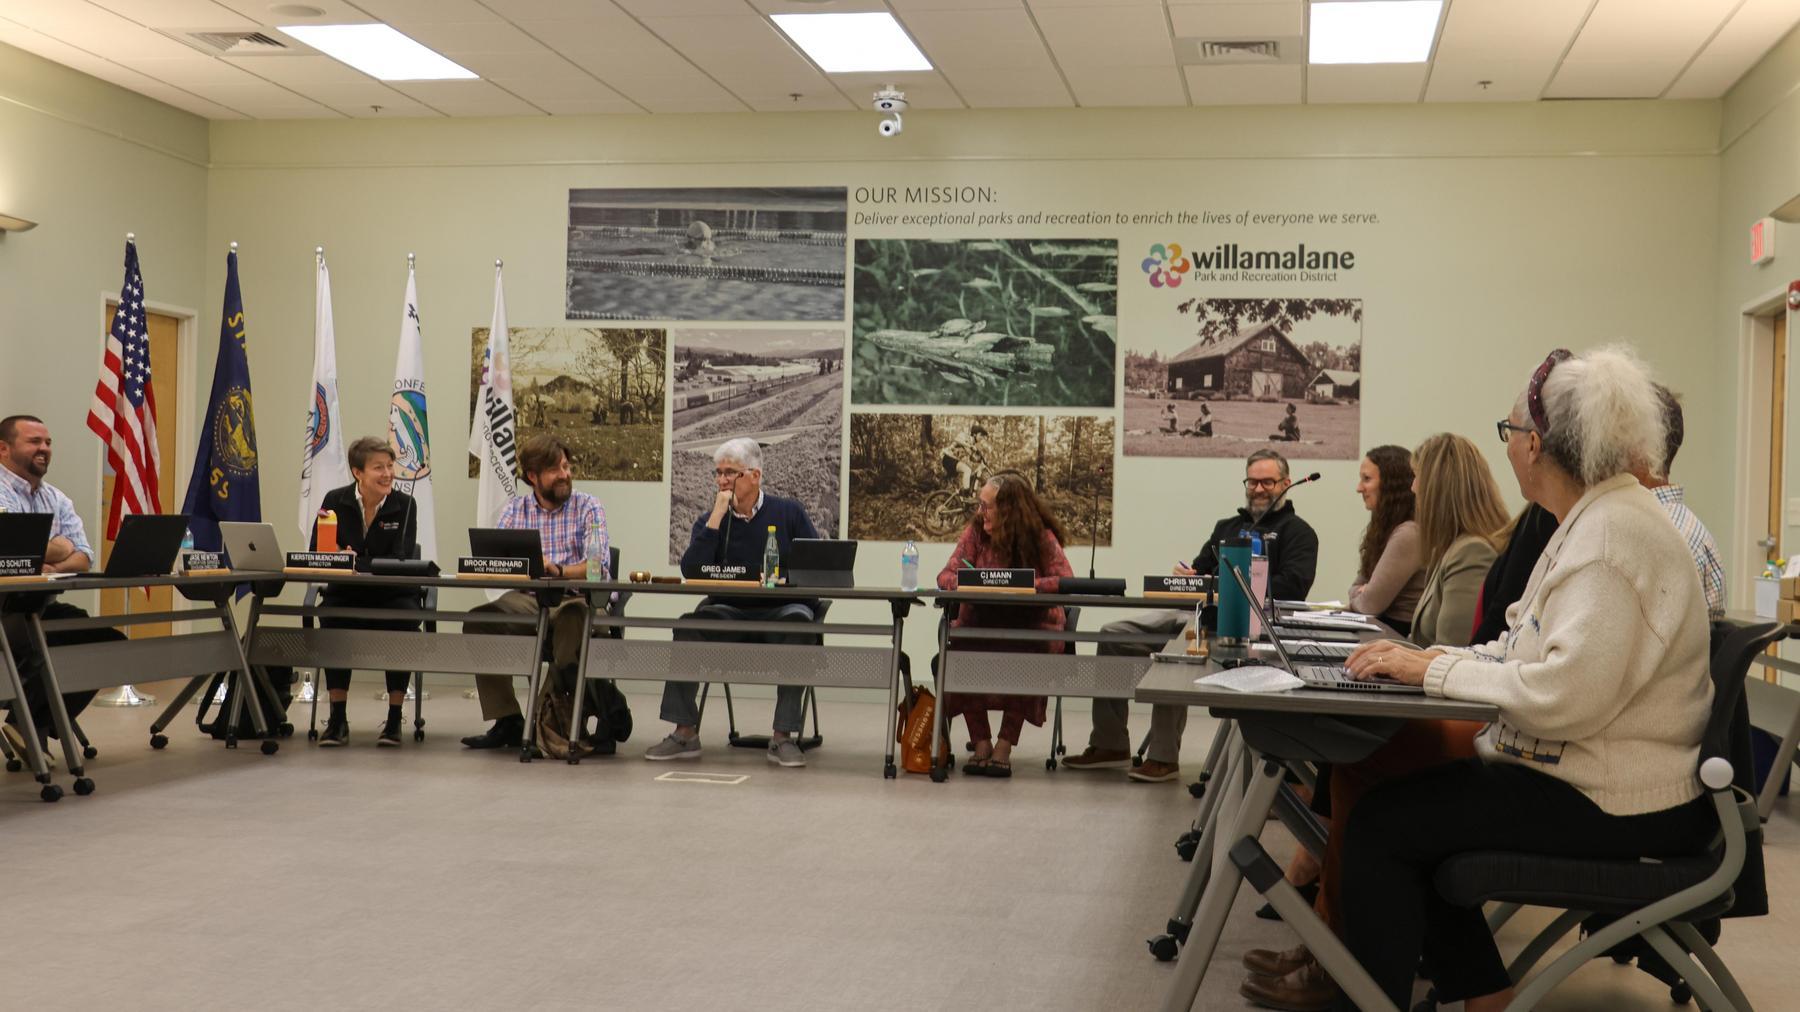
323 465
492 434
409 428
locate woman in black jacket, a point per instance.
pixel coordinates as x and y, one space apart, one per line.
375 522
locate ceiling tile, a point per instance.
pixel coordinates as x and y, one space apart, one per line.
1635 48
924 89
1750 33
1461 80
905 7
684 8
466 98
336 12
818 101
398 107
301 72
191 69
398 12
992 39
552 10
661 104
177 14
609 33
1516 44
1331 83
1244 85
585 106
189 102
581 86
1108 36
745 54
258 98
455 38
1126 86
1284 19
90 28
817 7
355 99
1055 4
1032 87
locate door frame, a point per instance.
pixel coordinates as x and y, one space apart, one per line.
1756 328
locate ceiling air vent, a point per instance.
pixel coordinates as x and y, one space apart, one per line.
1197 52
238 43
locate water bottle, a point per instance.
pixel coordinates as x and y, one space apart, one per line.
597 561
187 546
909 567
771 567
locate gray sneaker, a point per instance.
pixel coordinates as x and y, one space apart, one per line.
786 752
674 747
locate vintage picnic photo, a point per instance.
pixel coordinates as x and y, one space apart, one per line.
1240 374
985 322
783 388
728 253
916 476
599 390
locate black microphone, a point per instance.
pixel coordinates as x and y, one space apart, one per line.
725 534
1276 503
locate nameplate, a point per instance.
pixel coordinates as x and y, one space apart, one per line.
717 572
1017 581
482 565
21 565
193 562
322 560
1185 587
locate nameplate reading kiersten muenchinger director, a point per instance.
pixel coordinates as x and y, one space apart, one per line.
1007 581
482 565
321 560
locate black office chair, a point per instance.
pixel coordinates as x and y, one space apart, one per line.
428 600
1659 902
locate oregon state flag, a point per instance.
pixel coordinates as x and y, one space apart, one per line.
224 483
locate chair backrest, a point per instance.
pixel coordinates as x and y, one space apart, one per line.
1734 649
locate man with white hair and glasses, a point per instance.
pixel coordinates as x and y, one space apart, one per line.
733 533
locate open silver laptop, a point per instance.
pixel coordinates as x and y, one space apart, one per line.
252 547
1332 675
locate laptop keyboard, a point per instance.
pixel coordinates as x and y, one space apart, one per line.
1327 651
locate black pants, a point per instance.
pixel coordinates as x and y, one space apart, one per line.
31 665
1402 830
339 678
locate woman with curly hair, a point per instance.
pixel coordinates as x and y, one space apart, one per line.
1013 529
1390 573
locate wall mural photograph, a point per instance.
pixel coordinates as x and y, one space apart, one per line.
728 253
1241 374
600 391
985 323
783 388
915 476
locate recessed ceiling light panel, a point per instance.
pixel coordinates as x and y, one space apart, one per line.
1372 31
853 43
379 51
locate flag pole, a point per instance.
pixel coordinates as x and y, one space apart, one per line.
125 695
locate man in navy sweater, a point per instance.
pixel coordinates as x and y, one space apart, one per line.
732 535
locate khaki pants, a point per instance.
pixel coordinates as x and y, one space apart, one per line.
1110 715
568 624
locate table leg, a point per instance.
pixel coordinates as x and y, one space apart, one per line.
1212 810
59 712
1221 891
246 679
888 770
1778 770
1265 876
528 747
581 667
34 750
940 725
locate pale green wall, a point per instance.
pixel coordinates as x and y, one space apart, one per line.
1505 231
89 162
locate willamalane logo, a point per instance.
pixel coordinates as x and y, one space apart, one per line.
1232 262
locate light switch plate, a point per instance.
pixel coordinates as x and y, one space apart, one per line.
1793 512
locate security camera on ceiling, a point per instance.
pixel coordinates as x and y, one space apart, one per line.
891 101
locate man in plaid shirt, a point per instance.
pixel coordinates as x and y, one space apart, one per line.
562 518
1699 540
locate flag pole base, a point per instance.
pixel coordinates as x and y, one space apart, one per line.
411 694
124 695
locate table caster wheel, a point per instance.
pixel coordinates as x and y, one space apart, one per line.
51 792
89 751
231 741
14 765
938 774
84 786
312 734
1185 848
1681 994
1178 930
159 741
1164 947
1197 789
270 747
574 760
950 762
1136 761
1621 958
888 772
418 736
1050 763
286 730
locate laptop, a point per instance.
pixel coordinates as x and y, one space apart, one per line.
1328 675
25 536
821 562
509 543
147 544
251 547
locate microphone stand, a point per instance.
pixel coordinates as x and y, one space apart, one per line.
1094 530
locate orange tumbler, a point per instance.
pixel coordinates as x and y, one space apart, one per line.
327 531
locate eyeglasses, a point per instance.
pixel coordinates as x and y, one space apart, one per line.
728 474
1505 427
1255 483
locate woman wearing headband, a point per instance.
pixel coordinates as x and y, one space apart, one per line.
1601 680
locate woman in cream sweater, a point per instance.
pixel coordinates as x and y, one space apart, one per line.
1601 681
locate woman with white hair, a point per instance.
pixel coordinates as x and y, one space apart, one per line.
1601 681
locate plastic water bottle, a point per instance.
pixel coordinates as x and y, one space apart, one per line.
909 567
771 567
187 546
597 560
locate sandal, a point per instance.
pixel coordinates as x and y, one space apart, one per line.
977 767
998 770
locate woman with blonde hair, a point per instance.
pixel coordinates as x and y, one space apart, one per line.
1462 527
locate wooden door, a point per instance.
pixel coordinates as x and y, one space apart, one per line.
165 380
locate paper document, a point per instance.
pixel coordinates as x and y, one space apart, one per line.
1251 678
1310 605
1330 620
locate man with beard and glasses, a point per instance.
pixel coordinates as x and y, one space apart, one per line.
24 460
561 517
1293 551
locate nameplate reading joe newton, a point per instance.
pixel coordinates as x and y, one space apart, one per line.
345 561
483 565
203 562
1006 581
20 565
1187 587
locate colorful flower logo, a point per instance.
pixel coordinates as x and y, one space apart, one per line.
1166 265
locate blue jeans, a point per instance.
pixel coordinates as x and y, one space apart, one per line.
680 702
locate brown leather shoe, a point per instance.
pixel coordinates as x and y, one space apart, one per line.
1153 772
1099 759
1269 963
1307 989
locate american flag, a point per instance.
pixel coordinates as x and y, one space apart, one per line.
124 411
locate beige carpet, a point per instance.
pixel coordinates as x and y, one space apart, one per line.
429 877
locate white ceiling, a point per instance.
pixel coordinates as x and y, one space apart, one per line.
578 57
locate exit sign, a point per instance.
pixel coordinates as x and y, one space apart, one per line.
1762 241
